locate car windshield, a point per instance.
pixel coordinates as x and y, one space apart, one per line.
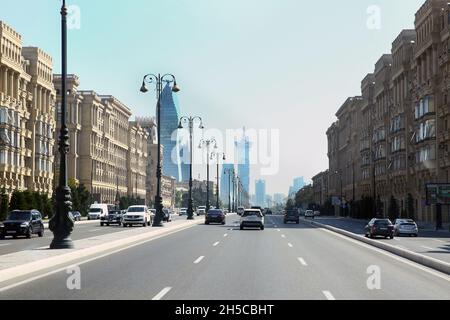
19 215
114 212
136 209
383 222
95 210
252 213
214 212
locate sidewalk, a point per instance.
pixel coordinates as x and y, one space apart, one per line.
28 262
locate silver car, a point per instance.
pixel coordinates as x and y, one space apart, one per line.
406 226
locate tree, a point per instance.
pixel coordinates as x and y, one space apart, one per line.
3 204
17 201
29 201
178 198
304 197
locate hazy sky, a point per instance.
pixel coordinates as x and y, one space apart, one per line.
284 65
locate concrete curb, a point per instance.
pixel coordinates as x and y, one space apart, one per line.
68 256
407 254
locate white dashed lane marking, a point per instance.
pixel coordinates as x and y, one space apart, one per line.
199 260
328 295
163 292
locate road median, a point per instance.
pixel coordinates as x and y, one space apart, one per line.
404 253
24 263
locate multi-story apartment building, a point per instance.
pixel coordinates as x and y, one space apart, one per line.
320 187
73 121
427 96
168 191
27 123
380 123
149 124
365 129
400 117
137 161
404 129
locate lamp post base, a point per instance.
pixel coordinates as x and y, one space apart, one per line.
61 243
190 211
157 222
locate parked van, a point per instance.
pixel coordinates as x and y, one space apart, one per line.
97 211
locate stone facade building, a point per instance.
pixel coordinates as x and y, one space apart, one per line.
137 161
403 128
27 118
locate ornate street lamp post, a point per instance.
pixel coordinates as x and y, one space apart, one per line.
208 143
218 154
61 224
229 171
158 81
190 121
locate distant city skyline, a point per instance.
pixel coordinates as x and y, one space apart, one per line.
203 39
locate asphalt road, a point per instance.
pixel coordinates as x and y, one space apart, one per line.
429 243
221 262
81 231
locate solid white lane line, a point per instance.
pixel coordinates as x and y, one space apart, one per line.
199 259
94 230
216 244
328 295
278 230
4 244
437 240
225 235
428 248
290 245
391 255
402 247
283 236
303 262
396 239
163 292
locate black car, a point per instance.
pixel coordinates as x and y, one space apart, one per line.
75 215
113 217
22 223
292 216
215 216
379 227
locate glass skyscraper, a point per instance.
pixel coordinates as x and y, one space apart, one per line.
243 152
173 148
260 191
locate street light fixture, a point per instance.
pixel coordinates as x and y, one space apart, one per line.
208 143
158 81
61 224
191 122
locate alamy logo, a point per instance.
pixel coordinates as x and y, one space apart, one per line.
374 280
74 280
374 18
73 17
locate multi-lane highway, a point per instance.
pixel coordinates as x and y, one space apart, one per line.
82 230
222 262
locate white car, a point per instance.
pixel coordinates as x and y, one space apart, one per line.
252 218
137 215
317 213
183 212
406 226
309 214
201 210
